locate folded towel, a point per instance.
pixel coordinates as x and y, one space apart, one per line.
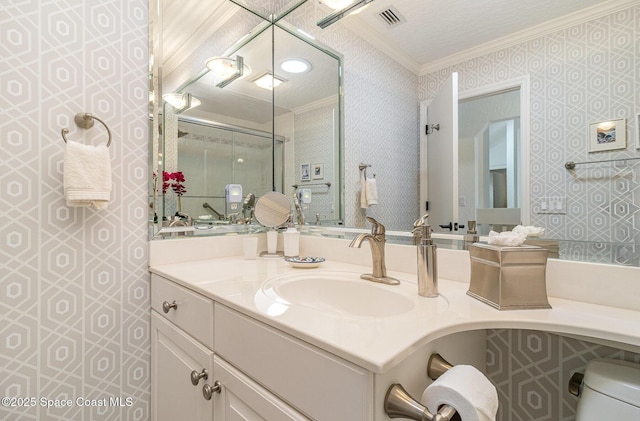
506 238
363 190
529 231
372 191
87 175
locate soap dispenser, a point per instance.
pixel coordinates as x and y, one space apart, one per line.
427 262
472 235
291 240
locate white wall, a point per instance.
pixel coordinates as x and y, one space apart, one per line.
74 286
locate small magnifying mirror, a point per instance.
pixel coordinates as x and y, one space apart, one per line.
272 210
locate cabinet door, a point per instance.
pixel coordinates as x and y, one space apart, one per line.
174 355
242 399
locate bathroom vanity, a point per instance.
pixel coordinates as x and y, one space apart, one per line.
280 343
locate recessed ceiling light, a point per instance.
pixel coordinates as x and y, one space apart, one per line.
268 81
295 65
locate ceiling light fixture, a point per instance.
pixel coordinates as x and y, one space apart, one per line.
295 65
227 69
268 81
339 14
181 102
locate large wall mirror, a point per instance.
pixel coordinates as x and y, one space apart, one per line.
252 105
295 132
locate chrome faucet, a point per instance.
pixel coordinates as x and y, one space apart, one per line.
376 240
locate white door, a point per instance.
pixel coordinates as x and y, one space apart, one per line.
439 157
174 355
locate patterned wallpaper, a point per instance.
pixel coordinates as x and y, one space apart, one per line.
579 75
531 370
315 134
74 290
381 122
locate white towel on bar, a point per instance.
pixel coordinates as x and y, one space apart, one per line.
371 191
87 175
363 190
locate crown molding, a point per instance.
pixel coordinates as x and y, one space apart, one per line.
558 24
216 19
357 26
323 102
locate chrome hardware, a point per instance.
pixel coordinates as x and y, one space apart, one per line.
376 240
399 404
208 390
166 306
195 376
575 384
427 260
437 366
85 121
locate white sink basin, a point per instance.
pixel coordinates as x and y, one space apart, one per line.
333 292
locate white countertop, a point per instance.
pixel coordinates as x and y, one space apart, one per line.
378 343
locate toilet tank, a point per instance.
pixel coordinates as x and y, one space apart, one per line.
610 390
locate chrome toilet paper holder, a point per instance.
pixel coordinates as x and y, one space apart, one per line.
399 404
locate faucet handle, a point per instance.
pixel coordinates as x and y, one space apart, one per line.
377 228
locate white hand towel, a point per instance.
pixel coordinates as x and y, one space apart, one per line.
87 175
363 191
506 238
467 390
372 191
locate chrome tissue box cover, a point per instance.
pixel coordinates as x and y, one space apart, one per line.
509 278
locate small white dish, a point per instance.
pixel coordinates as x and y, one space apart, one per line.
304 261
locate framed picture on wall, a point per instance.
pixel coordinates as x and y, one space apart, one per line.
317 172
608 135
305 172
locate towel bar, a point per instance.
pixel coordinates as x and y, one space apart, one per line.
399 404
85 121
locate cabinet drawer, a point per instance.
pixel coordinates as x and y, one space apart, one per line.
193 314
321 385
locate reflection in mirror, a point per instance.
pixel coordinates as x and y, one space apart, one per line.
235 129
489 160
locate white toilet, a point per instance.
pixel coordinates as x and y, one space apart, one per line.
610 391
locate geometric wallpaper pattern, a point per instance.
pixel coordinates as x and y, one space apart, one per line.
381 123
74 287
315 134
531 371
579 75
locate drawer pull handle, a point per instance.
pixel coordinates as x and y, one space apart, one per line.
195 376
166 306
208 391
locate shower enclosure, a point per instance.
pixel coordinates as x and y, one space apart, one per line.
212 155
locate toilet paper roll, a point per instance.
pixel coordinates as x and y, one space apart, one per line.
467 390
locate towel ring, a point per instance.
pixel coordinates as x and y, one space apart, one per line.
85 121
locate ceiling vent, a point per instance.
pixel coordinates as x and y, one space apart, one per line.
391 17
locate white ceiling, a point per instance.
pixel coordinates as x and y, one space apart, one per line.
438 28
433 30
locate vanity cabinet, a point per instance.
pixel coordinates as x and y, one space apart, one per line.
174 355
182 343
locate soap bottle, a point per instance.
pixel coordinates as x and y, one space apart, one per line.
291 240
427 262
472 235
